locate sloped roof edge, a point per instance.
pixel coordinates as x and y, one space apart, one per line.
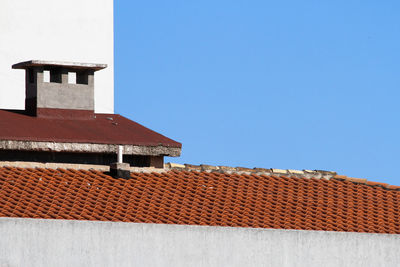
145 150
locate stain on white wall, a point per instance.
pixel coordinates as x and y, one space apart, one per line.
73 30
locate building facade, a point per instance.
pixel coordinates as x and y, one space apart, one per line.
75 30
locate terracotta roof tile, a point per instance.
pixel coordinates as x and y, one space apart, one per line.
201 198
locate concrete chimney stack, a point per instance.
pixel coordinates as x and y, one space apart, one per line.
59 89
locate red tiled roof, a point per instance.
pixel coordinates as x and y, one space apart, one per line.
103 129
200 198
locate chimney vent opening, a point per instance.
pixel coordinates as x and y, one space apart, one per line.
72 77
82 77
55 76
46 76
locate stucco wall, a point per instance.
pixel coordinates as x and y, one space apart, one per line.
29 242
73 30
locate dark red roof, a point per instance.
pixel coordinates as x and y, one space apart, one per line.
103 129
201 198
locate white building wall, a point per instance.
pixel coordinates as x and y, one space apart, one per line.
30 242
73 30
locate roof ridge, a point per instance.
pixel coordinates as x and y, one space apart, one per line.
366 182
316 174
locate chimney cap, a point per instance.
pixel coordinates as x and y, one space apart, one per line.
69 65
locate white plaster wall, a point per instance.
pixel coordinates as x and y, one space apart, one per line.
30 242
73 30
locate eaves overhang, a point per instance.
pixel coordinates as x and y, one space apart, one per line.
157 150
64 64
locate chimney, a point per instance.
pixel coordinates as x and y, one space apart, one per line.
59 89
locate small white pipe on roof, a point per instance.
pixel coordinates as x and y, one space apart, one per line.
120 153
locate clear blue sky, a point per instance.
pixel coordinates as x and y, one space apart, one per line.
273 84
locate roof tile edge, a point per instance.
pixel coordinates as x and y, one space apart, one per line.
316 174
308 174
366 182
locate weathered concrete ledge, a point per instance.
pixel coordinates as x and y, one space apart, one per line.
89 148
73 65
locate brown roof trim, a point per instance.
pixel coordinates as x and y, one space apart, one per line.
107 129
